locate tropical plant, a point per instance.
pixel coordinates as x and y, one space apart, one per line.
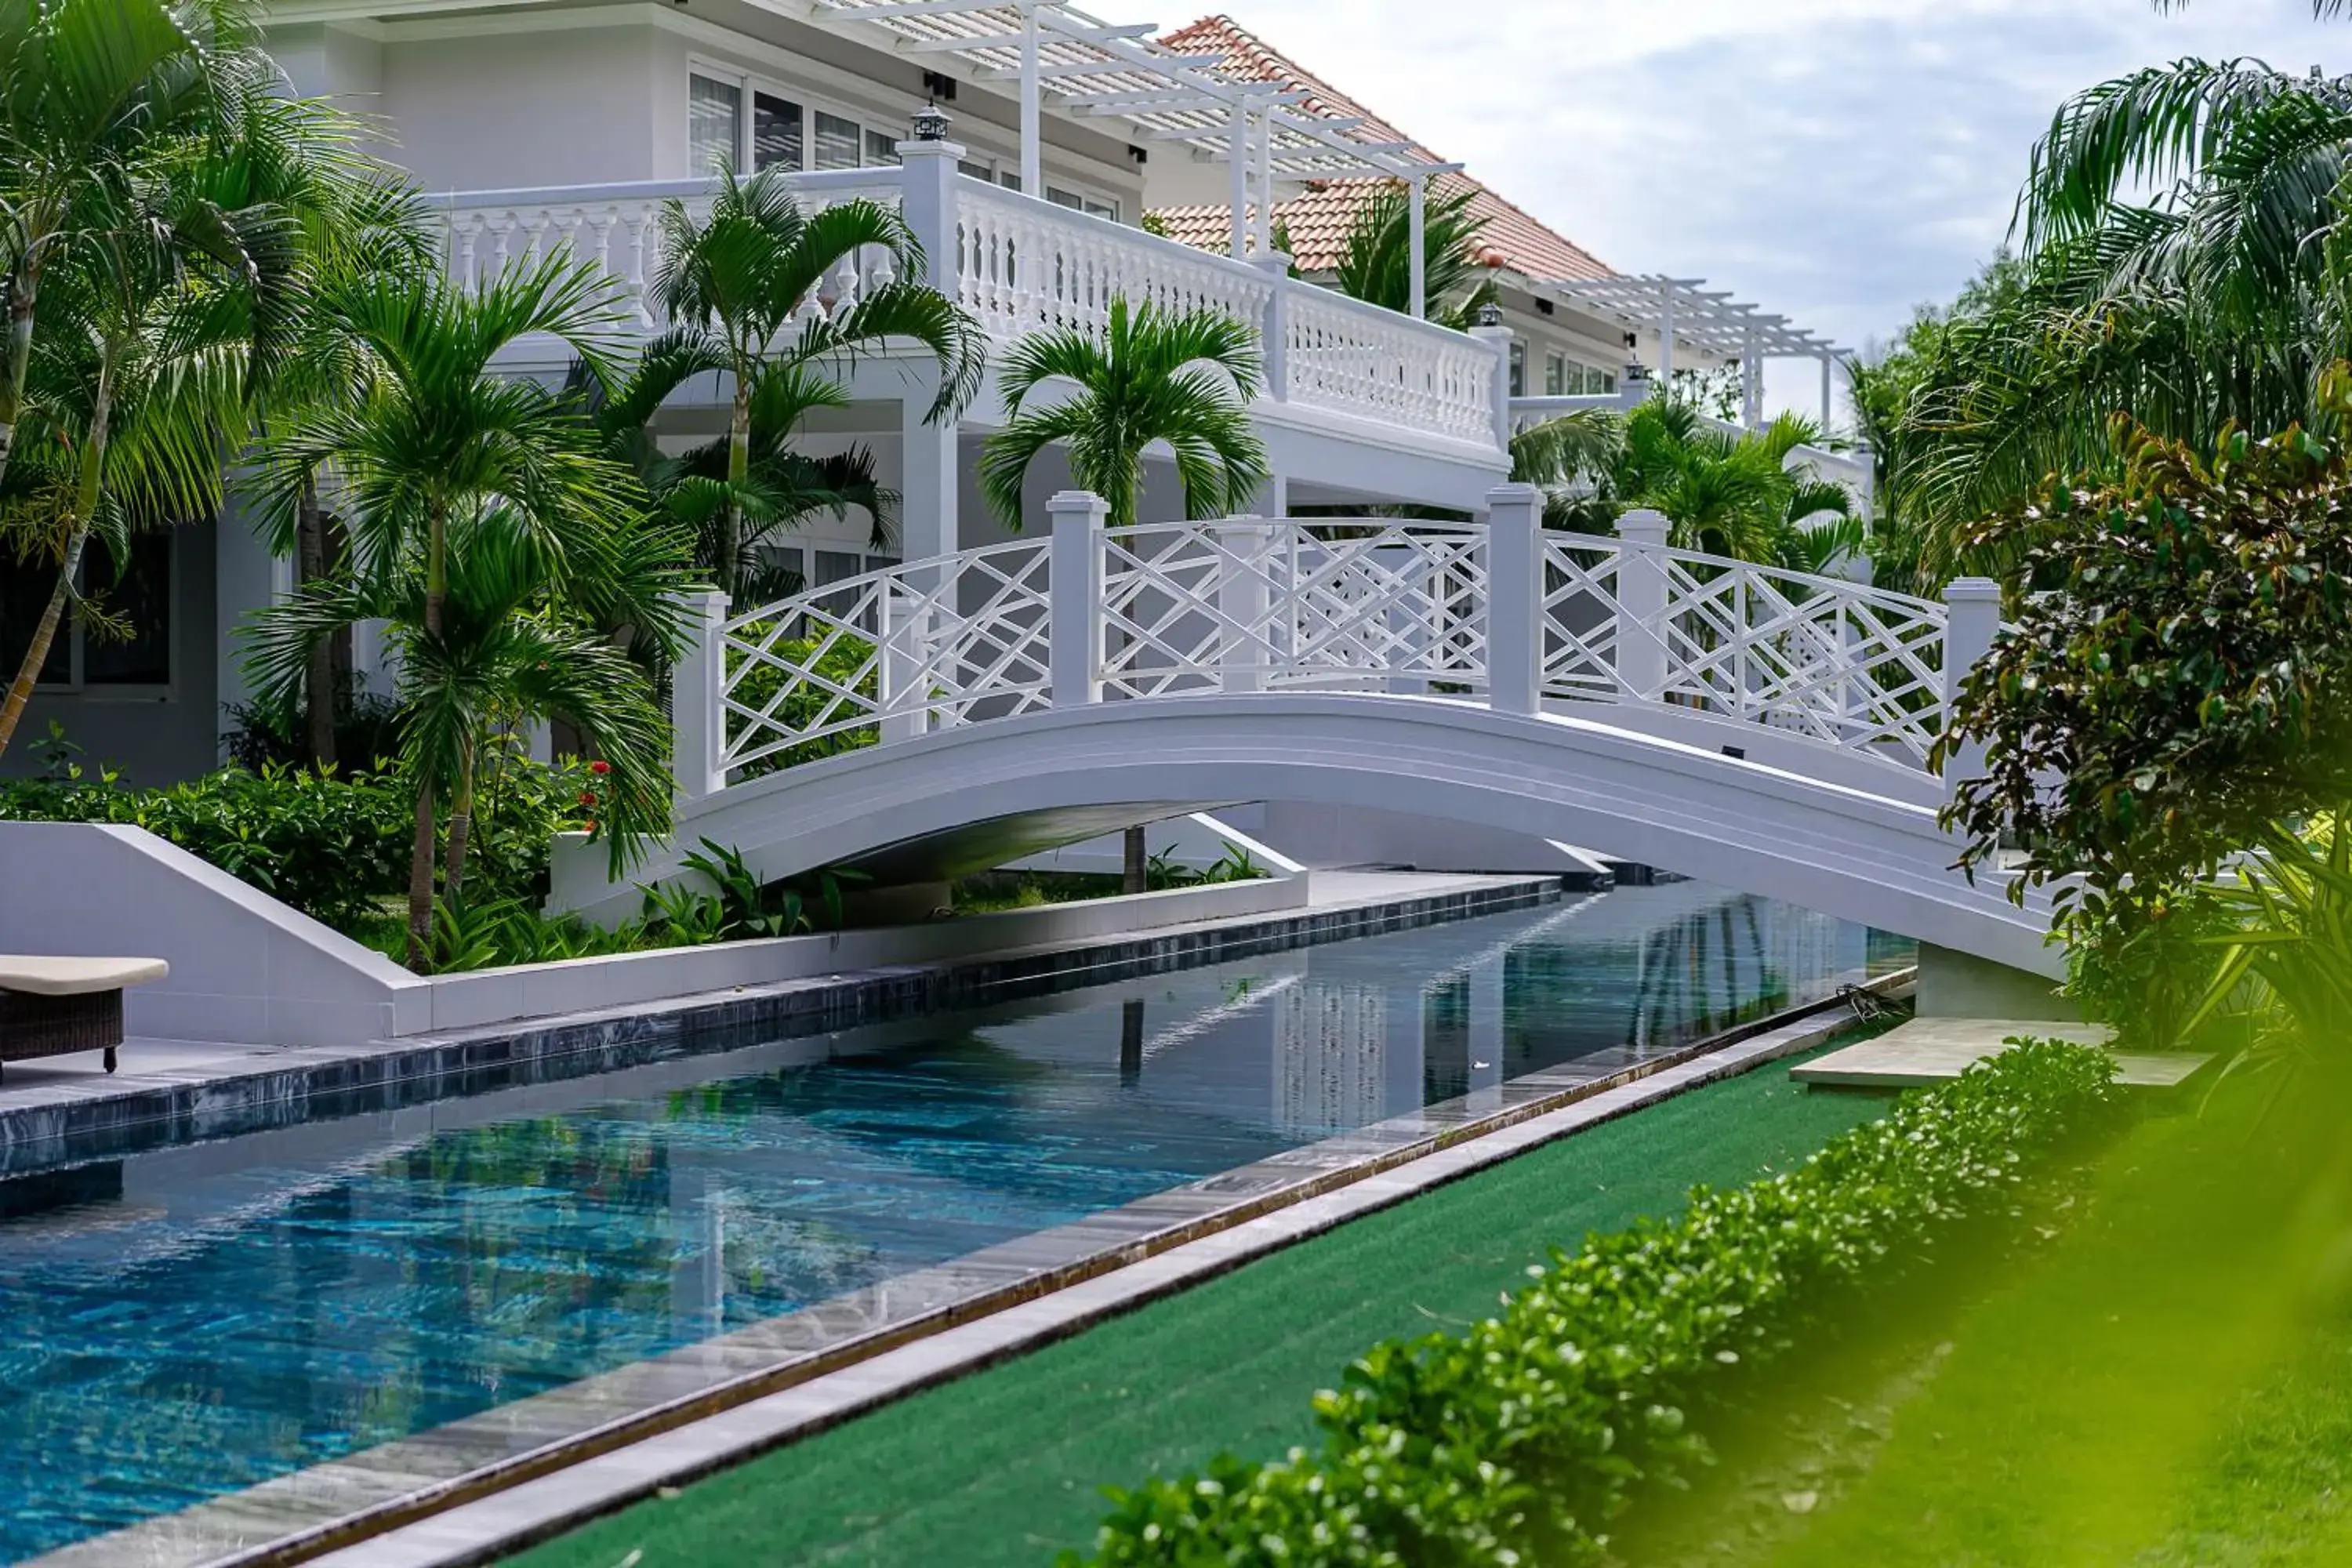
2285 949
444 458
733 285
1375 261
1183 381
1725 492
157 313
89 91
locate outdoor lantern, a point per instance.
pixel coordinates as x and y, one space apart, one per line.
1490 315
931 123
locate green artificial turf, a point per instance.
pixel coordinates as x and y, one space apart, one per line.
1005 1467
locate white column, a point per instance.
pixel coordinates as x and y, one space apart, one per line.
1417 237
1515 576
1972 621
1751 378
1033 129
1265 184
1273 336
1242 647
1666 337
1499 340
1641 606
1829 362
698 688
929 524
899 678
1076 592
1237 158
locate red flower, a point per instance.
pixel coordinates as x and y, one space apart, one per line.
600 767
587 797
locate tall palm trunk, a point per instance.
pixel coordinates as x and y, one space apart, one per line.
739 471
86 499
318 682
461 825
420 856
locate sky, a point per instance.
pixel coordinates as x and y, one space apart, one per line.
1834 161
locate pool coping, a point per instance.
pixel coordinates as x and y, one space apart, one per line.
78 1123
332 1510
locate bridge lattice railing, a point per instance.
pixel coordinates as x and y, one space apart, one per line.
1244 604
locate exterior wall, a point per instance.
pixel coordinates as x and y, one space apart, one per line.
151 736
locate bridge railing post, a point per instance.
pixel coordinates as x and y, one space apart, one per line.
902 626
1972 621
698 696
1514 583
1075 635
1243 650
1641 595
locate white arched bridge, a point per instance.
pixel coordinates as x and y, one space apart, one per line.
1762 730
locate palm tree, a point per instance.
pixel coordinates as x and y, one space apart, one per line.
735 283
1724 492
439 441
1183 381
87 89
1376 258
493 647
162 304
782 487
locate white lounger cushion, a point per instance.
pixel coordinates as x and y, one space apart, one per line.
76 976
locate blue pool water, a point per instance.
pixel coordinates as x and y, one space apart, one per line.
190 1320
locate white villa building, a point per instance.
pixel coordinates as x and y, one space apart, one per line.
537 123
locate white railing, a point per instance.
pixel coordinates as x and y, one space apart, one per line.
1353 358
1507 614
1019 265
616 227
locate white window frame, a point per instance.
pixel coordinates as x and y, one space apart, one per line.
749 83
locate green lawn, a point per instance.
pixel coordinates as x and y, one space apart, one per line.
2167 1384
1004 1467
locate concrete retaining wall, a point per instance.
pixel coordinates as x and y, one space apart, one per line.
247 970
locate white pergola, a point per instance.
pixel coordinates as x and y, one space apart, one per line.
1679 309
1093 68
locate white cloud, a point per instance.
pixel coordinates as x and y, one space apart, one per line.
1837 161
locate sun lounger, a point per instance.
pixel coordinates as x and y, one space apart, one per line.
50 1006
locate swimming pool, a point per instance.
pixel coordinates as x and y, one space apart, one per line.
188 1321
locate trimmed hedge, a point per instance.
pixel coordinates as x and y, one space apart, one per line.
1517 1441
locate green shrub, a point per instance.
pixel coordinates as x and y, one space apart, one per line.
1517 1441
843 664
330 844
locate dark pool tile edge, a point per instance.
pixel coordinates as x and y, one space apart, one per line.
186 1106
518 1444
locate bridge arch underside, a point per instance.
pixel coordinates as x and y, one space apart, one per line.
964 800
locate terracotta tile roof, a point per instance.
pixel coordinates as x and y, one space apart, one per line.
1319 219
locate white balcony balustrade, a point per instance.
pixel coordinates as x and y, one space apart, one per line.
1020 264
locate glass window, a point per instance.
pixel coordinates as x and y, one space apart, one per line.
1518 370
1010 179
1102 209
880 562
1555 376
776 139
1070 199
881 150
1572 380
1606 378
837 142
977 171
24 589
140 602
714 124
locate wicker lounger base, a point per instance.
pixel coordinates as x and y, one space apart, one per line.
33 1026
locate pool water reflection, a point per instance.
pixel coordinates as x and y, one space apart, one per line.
188 1321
